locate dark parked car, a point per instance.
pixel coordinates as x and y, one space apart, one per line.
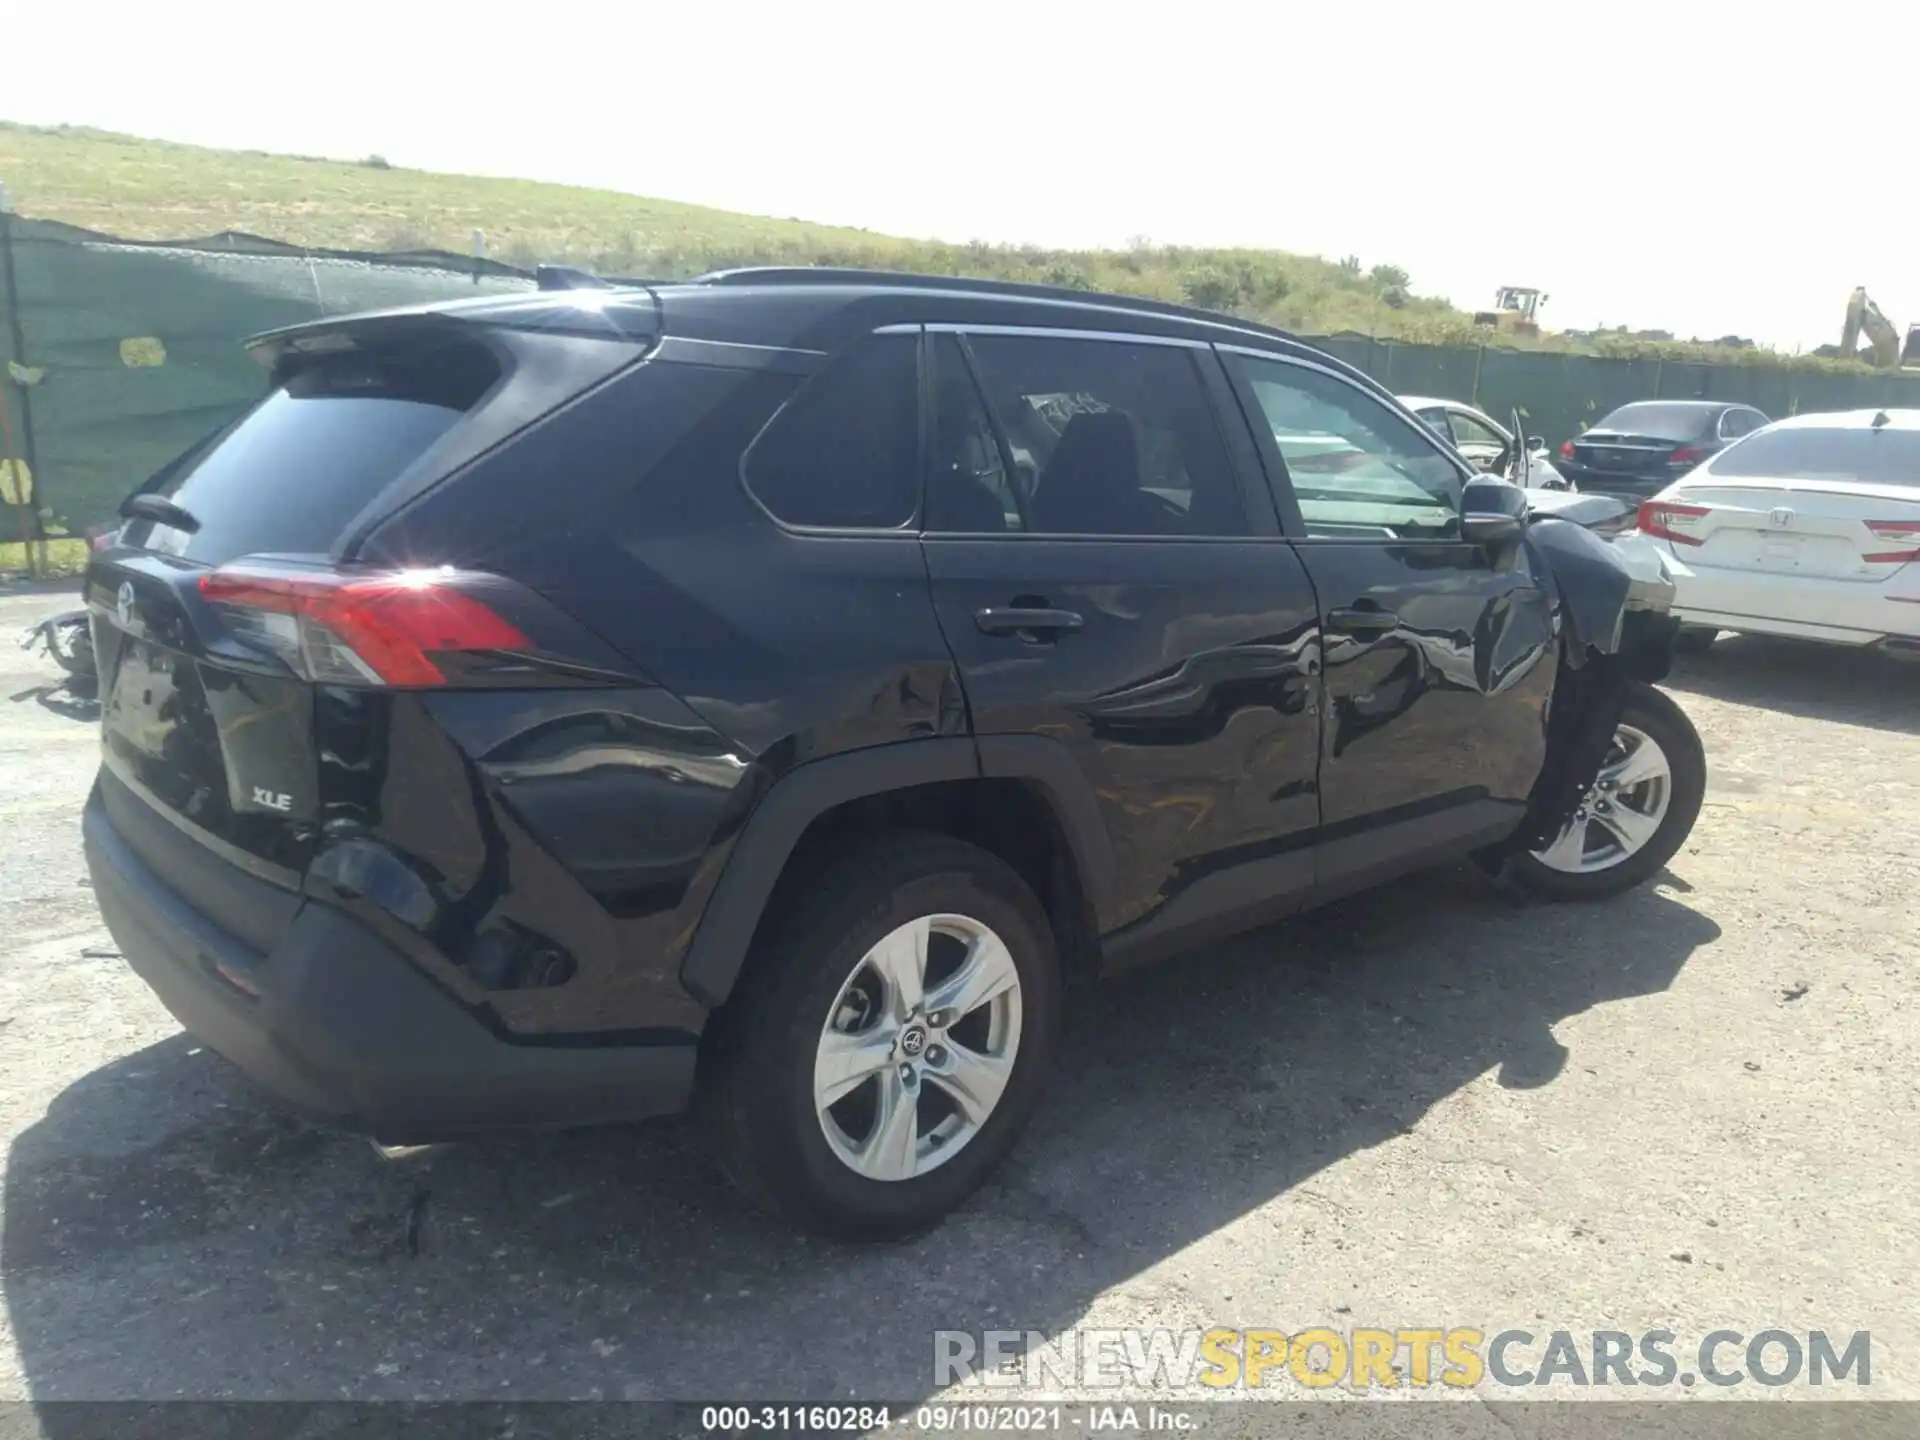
779 688
1642 448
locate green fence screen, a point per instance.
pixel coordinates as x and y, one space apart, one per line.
1560 395
118 355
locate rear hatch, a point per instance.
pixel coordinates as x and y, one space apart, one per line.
230 599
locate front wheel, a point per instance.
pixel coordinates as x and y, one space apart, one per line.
1636 814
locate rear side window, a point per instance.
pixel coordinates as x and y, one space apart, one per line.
1105 437
845 452
970 487
290 476
1879 457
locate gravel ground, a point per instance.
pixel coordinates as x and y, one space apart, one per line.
1693 1107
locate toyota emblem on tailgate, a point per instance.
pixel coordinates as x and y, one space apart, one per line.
1781 516
123 605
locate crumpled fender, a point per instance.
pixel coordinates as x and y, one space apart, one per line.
1614 603
1599 584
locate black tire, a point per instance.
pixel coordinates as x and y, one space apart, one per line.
1694 640
1655 715
757 1085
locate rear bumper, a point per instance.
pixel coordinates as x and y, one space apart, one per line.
345 1029
1841 612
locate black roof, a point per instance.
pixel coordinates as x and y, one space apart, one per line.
974 285
816 309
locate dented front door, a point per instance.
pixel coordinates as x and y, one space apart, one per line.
1438 654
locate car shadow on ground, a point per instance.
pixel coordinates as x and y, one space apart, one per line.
167 1232
1855 686
62 700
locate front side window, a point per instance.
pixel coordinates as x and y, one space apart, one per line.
1736 423
1469 430
1358 470
845 452
1104 437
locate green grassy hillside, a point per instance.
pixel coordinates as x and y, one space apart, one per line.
154 190
151 189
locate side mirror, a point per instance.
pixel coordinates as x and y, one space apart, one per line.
1493 512
1536 444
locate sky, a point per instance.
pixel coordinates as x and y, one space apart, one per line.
1698 167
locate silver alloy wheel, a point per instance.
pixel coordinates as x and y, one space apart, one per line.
918 1047
1621 811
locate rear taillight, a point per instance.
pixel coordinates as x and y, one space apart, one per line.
1667 520
1895 532
1566 449
1688 455
339 628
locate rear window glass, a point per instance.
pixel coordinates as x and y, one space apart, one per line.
845 453
1664 422
292 473
1879 457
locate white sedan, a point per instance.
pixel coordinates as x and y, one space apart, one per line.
1809 527
1482 440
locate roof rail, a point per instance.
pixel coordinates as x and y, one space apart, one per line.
566 277
846 275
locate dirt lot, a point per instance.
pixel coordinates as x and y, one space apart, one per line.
1694 1107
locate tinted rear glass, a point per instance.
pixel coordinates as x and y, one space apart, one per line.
291 474
1879 457
1667 422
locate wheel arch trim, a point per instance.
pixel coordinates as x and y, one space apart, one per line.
725 932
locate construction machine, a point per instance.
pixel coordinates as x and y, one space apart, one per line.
1516 307
1887 352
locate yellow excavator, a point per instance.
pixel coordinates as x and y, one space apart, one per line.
1863 316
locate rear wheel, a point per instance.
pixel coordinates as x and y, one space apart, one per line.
1636 814
889 1041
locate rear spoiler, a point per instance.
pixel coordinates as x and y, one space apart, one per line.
629 313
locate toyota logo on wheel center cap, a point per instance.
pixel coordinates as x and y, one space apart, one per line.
912 1042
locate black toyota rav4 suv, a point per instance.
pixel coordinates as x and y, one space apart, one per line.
777 689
